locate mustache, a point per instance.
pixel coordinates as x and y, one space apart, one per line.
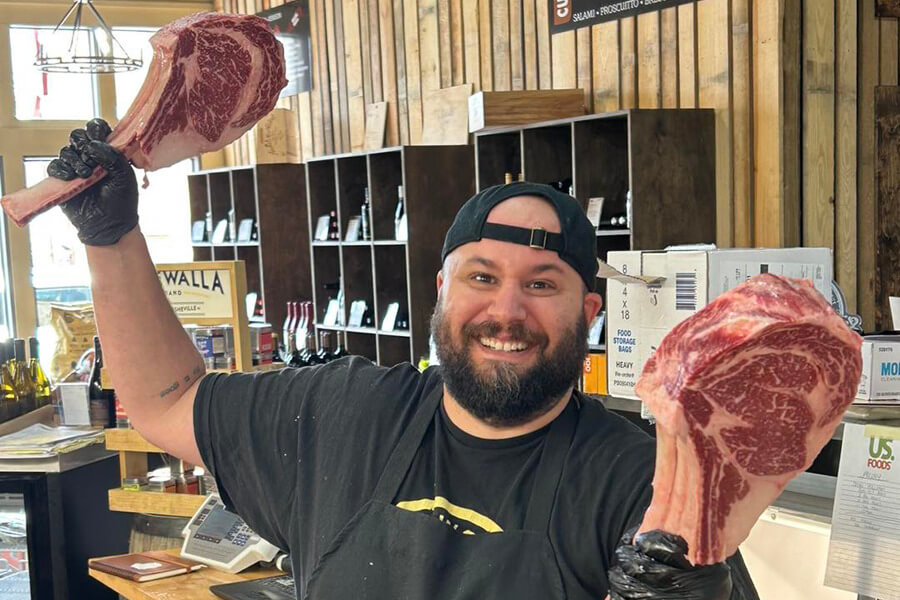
517 331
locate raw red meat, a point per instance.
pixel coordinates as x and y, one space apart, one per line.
213 76
745 393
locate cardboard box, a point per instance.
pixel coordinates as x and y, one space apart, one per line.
649 292
594 374
880 381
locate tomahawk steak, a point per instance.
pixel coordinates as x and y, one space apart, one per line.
212 77
745 393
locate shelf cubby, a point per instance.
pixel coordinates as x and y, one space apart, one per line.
497 155
436 181
274 196
547 153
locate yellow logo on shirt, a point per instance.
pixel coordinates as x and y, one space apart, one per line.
456 517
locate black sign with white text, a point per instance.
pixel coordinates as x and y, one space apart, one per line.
573 14
290 23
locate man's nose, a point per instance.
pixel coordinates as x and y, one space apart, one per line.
507 304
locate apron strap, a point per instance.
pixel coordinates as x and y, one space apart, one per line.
550 467
405 451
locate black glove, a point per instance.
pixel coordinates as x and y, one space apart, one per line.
655 567
107 210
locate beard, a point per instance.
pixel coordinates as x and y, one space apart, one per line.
499 393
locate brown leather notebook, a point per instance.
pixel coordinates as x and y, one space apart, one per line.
145 566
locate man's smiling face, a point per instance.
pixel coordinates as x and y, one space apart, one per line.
511 321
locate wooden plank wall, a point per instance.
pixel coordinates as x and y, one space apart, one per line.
792 81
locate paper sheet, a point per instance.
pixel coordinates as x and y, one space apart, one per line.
865 528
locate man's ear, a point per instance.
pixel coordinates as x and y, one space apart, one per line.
593 302
440 281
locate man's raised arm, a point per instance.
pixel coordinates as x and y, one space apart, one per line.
153 364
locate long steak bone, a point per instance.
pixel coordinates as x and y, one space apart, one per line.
213 76
746 393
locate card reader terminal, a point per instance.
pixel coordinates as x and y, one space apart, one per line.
221 539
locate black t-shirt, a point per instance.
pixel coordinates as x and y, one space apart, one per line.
298 452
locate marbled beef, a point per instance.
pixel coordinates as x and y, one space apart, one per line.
746 393
213 76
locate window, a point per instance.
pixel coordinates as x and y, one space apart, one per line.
6 316
137 44
38 95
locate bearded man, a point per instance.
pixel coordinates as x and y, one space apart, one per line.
488 476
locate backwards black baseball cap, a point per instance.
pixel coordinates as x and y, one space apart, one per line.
575 244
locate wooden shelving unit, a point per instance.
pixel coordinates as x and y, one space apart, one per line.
277 263
666 157
437 180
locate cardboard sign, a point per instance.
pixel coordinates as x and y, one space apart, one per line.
197 292
573 14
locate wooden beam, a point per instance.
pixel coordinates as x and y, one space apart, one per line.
741 90
687 55
887 201
366 46
818 125
457 43
486 52
669 57
714 52
791 80
356 103
605 56
529 43
341 62
628 67
565 74
845 246
516 64
429 45
444 35
888 53
649 82
865 164
375 51
402 83
388 70
413 70
545 68
472 42
583 60
501 44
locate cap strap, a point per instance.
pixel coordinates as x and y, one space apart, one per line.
538 237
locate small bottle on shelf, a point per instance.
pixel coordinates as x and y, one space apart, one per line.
287 331
324 353
9 407
300 325
333 233
400 216
507 178
40 379
365 225
24 386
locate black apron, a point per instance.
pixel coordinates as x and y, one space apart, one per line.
388 553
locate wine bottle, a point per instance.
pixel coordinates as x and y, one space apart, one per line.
287 331
324 353
24 386
101 407
41 382
400 216
9 408
333 233
338 351
300 326
364 222
310 332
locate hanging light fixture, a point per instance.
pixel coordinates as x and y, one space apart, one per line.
87 50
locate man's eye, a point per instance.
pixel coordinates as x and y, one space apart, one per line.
482 278
541 285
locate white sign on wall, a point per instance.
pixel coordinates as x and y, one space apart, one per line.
198 293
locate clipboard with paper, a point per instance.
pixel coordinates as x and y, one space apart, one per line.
865 528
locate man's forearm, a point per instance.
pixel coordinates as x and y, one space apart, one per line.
150 357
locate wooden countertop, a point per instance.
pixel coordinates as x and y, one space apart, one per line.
192 586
